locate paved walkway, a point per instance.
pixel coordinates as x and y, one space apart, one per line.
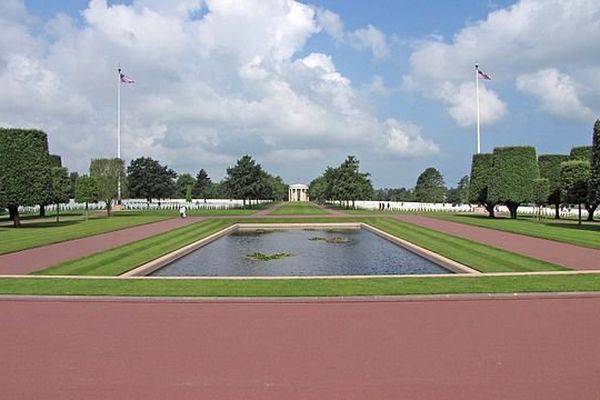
440 349
26 261
568 255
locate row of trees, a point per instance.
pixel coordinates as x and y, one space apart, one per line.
30 175
513 175
344 183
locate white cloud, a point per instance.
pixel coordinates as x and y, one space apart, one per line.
461 104
367 38
202 95
405 138
526 37
370 38
558 93
331 23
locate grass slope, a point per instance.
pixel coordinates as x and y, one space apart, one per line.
300 287
124 258
475 255
298 208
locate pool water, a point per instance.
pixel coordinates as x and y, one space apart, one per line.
359 252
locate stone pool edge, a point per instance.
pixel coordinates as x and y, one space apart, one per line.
158 263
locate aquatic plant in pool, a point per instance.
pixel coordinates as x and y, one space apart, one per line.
258 256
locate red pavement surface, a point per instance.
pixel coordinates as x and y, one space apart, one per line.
26 261
568 255
429 349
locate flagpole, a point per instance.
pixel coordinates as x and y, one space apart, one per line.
119 132
477 89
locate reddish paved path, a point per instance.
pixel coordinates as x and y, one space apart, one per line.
462 349
568 255
26 261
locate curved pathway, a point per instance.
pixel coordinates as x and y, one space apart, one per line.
568 255
26 261
542 347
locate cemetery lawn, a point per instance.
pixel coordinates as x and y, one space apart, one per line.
300 287
298 208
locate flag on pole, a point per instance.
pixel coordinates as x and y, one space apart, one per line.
483 75
125 78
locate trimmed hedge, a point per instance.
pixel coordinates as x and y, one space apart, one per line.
513 171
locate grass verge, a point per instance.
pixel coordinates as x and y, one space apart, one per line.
475 255
300 287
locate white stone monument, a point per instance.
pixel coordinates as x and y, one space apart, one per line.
298 192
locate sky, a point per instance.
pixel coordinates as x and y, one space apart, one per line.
299 85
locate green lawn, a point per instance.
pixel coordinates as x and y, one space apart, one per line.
35 234
298 208
567 231
300 287
124 258
475 255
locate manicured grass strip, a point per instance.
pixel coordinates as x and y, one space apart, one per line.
36 234
298 208
475 255
124 258
567 231
300 287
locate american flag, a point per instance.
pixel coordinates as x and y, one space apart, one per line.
125 78
483 75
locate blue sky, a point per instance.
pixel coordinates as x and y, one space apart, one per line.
301 85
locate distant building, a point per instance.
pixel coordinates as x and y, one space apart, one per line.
298 192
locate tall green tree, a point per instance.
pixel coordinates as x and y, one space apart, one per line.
513 172
345 183
61 186
549 165
480 181
86 191
430 187
201 185
594 181
244 180
183 181
106 172
574 176
148 179
25 178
